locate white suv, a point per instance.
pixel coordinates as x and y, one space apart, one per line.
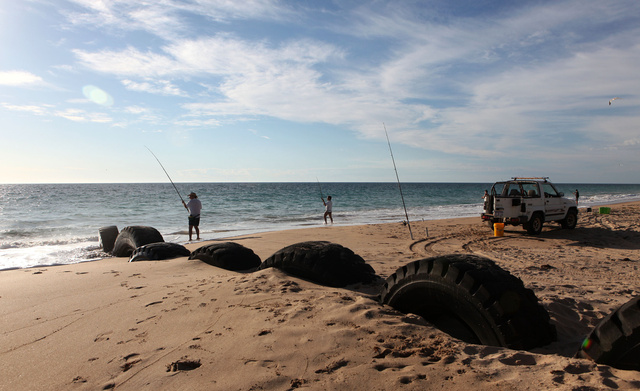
529 202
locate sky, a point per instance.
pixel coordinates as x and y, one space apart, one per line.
302 91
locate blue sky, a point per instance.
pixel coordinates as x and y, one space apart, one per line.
266 90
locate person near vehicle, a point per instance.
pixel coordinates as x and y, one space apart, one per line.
328 209
577 194
485 198
194 206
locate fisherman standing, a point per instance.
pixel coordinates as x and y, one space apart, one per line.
485 198
194 206
577 194
328 209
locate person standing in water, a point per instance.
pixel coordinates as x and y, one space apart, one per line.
328 209
194 206
577 194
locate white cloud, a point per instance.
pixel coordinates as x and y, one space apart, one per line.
136 110
19 78
161 87
33 109
524 78
199 123
170 18
129 62
77 115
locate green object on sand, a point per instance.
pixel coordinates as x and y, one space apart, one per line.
604 210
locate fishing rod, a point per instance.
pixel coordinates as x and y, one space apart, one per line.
320 187
165 171
398 178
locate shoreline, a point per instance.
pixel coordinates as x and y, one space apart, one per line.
180 324
316 226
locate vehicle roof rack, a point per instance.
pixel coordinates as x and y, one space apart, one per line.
531 177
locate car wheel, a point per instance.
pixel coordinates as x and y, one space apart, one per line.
534 226
570 221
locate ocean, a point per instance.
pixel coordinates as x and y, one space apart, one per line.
50 224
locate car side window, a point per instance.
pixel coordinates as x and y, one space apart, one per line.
549 191
530 190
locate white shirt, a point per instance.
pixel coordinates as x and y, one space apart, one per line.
194 206
329 206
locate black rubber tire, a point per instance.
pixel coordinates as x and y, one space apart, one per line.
322 262
133 237
570 220
159 251
227 255
615 341
108 237
472 299
534 226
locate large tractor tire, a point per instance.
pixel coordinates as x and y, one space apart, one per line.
108 237
615 341
159 251
227 255
322 262
472 299
133 237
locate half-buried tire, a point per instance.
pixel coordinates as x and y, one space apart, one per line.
470 298
322 262
133 237
227 255
615 341
159 251
108 237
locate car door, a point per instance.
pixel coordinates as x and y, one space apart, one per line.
554 207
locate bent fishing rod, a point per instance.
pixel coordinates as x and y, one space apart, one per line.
165 171
398 178
320 187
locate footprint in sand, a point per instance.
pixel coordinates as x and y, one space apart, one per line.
129 361
388 366
333 366
102 336
519 359
184 364
411 379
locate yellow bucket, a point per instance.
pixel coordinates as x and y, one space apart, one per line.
498 229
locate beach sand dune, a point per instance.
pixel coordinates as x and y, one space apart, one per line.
182 324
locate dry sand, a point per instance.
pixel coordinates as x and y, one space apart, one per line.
186 325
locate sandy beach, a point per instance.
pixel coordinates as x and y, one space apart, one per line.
182 324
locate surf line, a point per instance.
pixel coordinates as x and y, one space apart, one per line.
398 178
165 171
